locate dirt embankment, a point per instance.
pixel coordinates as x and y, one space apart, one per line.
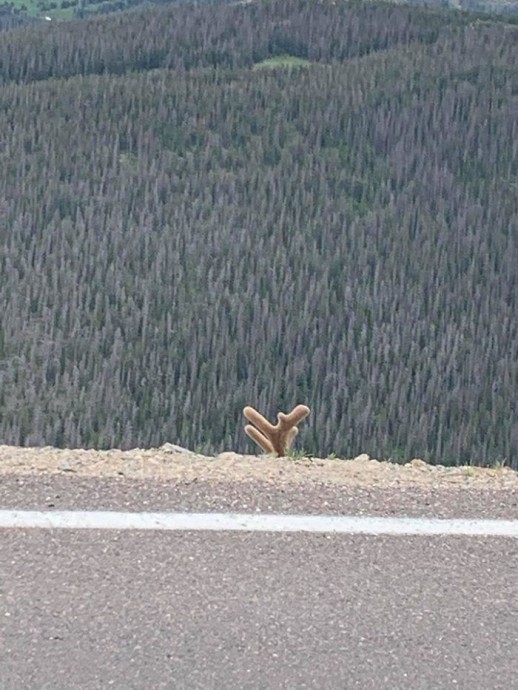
170 462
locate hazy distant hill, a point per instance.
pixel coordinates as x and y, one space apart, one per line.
277 203
498 6
17 12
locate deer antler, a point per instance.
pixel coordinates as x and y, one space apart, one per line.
278 438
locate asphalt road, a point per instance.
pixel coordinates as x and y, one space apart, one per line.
105 609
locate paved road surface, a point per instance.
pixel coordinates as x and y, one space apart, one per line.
104 609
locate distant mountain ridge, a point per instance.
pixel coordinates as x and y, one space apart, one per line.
497 6
19 12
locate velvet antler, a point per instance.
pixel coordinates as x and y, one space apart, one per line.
278 438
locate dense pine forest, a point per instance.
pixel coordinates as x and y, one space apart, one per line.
283 202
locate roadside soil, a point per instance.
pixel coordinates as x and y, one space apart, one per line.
170 462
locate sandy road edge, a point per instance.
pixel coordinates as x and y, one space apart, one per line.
173 463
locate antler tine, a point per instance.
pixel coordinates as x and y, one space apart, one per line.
257 418
290 436
295 416
259 438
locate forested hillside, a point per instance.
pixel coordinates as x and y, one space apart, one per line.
17 12
189 225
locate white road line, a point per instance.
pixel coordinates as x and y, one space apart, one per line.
233 522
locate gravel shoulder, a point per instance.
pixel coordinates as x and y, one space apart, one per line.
170 462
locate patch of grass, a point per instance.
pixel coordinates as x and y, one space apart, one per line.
55 10
32 7
499 465
67 13
398 457
281 61
299 454
41 8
